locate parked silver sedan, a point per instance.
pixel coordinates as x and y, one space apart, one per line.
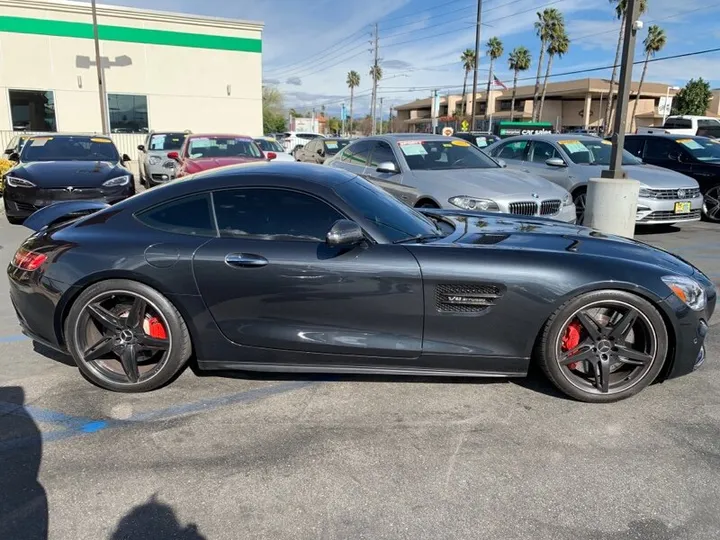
444 172
570 161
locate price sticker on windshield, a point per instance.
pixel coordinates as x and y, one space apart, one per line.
99 140
573 146
460 143
412 148
332 145
41 141
692 144
606 142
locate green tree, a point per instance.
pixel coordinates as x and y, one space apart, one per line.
654 42
376 73
519 60
550 24
494 51
468 63
557 46
693 99
353 81
621 15
272 108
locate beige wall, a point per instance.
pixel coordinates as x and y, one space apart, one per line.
186 88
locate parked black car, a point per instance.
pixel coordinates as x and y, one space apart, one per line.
697 157
305 268
65 168
318 150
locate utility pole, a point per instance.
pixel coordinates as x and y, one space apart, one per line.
434 111
381 114
612 199
100 73
374 78
477 61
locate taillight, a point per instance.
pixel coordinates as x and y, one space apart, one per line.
28 260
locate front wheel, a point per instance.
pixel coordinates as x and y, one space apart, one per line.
603 346
580 200
126 337
711 204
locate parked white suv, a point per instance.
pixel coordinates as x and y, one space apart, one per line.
293 140
684 125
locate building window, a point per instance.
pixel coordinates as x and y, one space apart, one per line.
128 114
519 105
32 110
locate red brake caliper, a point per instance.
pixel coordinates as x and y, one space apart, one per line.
154 328
571 339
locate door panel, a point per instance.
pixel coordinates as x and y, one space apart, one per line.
308 296
540 152
392 183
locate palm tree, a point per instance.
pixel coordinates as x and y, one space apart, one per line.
621 14
494 51
518 61
549 23
654 42
468 61
558 46
353 81
376 73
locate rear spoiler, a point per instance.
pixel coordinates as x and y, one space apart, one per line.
62 211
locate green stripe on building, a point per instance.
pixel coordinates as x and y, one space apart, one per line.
45 27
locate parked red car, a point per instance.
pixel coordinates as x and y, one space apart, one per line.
203 152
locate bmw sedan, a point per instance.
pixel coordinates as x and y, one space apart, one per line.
65 167
302 268
431 171
570 161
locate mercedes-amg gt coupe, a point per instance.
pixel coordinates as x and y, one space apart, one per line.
291 267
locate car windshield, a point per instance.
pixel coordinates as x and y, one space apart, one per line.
332 147
443 154
215 147
69 149
269 145
167 141
396 220
594 152
702 148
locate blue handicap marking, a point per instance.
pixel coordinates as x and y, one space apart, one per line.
14 338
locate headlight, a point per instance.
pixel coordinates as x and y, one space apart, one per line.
645 192
471 203
119 181
155 160
13 181
567 200
688 290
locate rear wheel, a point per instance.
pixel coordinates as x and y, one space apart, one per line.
603 346
711 204
580 200
126 337
425 203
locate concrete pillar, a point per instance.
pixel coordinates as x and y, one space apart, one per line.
611 205
588 109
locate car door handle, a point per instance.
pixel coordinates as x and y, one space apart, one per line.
245 260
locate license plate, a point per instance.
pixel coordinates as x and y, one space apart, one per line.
683 207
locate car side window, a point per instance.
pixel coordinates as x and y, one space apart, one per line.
189 215
11 145
660 148
273 214
357 153
543 151
635 146
382 153
513 150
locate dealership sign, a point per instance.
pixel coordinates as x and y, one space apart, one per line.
509 129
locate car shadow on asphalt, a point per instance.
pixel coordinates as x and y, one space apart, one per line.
656 229
154 520
52 354
23 501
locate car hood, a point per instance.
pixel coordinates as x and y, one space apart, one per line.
492 182
650 175
283 156
481 229
203 164
54 174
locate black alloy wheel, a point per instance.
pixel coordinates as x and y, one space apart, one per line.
711 204
125 336
580 201
604 346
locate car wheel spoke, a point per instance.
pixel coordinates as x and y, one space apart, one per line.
623 326
626 355
128 359
104 317
153 344
101 348
589 324
602 375
136 313
576 356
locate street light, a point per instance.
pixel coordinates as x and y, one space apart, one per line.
667 98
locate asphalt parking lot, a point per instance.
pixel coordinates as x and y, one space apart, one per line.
355 457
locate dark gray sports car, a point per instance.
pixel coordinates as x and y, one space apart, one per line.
302 268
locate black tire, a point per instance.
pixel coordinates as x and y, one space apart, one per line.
566 379
424 203
108 371
579 198
711 208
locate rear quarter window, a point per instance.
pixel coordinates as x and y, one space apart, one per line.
189 215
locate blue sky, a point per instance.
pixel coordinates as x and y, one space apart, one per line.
309 50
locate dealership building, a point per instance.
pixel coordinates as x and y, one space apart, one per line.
162 71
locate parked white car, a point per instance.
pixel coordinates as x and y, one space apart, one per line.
270 144
293 140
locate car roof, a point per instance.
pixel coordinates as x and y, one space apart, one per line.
672 136
67 136
228 135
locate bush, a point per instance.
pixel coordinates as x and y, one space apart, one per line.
5 165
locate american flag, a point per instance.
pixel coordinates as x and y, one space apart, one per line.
498 82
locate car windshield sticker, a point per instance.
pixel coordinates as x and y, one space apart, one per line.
606 142
99 140
574 146
412 148
332 145
461 143
692 144
447 145
481 141
41 142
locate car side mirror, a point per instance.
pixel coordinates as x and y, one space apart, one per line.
14 156
555 162
174 156
271 156
502 163
141 147
674 156
344 233
125 157
320 152
387 167
8 151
